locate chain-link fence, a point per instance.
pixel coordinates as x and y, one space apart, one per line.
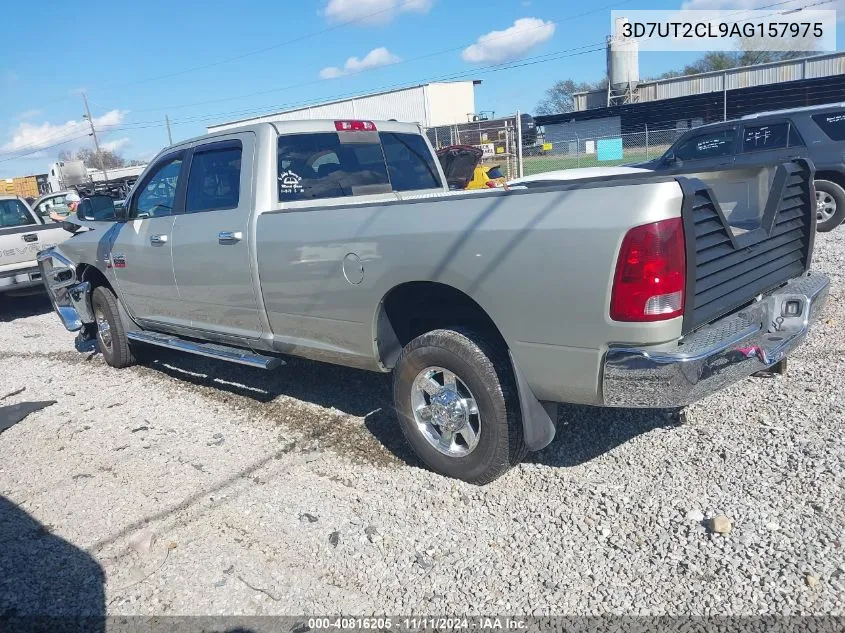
499 139
573 152
496 138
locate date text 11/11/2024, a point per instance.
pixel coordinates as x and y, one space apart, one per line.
477 623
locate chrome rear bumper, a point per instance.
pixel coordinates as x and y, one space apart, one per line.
717 355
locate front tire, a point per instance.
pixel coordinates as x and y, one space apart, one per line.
111 336
830 205
455 395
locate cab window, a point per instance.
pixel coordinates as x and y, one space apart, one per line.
756 138
215 180
14 213
321 165
706 145
158 195
409 162
56 203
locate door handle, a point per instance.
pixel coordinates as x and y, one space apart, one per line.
229 237
158 240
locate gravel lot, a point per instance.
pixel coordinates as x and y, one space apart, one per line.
292 492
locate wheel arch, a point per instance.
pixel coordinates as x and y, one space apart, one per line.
836 177
413 308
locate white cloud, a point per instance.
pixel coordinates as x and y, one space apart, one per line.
115 145
373 11
28 136
512 43
376 58
27 114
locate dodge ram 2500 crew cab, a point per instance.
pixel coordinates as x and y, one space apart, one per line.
339 241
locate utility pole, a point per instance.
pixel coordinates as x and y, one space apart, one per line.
94 134
169 137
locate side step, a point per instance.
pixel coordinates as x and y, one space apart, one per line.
211 350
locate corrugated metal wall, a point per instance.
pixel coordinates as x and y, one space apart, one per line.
711 106
748 77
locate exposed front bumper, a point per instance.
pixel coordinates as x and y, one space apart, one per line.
71 299
20 279
717 355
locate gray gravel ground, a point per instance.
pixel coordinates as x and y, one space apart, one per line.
292 492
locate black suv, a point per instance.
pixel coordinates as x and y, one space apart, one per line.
816 132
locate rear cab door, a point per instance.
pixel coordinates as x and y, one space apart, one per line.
212 260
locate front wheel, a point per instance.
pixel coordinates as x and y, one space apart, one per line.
830 205
111 336
456 398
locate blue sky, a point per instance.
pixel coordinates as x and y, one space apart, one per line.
212 62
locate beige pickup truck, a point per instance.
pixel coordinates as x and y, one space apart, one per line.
22 235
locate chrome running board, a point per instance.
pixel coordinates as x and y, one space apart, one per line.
210 350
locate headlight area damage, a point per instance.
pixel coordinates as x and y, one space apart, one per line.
70 298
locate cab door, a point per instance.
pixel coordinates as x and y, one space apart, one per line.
141 253
211 239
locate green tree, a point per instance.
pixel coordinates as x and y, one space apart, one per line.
558 98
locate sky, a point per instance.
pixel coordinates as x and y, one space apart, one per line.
207 63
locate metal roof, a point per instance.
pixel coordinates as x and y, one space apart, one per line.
823 106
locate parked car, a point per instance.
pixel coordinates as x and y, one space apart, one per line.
23 234
816 132
340 241
463 168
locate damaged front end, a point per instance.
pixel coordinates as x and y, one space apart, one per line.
70 297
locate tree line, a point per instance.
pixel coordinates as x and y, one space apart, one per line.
96 160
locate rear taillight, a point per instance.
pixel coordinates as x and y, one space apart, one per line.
355 126
650 275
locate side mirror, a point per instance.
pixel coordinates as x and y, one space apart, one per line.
97 208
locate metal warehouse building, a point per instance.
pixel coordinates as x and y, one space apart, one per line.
682 102
432 104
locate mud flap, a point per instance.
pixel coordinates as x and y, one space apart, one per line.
537 427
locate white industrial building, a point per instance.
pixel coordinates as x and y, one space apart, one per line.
430 105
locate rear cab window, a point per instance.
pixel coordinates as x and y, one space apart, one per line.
832 124
13 213
346 163
757 138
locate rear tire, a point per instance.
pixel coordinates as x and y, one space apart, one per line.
830 205
470 426
111 336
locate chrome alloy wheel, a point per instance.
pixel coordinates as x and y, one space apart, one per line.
825 206
445 411
103 329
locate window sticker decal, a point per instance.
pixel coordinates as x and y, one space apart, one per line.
290 182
